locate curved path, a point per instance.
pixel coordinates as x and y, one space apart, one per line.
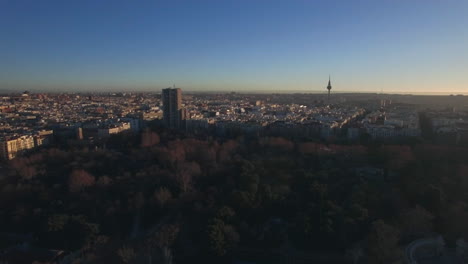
437 242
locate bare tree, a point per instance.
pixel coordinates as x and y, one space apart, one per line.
162 196
80 179
355 253
126 254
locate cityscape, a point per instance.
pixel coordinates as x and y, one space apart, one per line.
237 132
34 120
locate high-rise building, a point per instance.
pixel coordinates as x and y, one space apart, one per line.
173 114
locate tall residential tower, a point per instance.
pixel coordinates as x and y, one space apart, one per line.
173 114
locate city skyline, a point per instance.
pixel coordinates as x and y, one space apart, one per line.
394 47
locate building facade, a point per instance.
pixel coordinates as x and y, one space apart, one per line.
9 148
173 114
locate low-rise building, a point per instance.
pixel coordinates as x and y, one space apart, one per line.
11 147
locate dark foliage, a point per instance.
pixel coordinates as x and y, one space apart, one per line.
156 197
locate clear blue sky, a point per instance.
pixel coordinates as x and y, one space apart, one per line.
368 45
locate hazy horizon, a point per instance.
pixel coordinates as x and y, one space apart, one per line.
240 91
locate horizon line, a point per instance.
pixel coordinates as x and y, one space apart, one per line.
261 91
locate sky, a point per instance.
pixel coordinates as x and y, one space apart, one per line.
410 46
